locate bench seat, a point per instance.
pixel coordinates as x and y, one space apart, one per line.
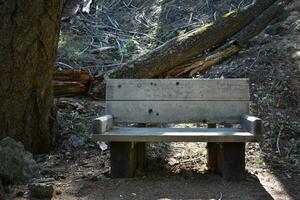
125 134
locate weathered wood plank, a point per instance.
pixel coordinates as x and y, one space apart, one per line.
177 111
252 124
176 135
102 124
177 89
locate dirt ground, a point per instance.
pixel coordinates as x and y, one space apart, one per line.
271 61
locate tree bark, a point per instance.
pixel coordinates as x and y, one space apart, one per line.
28 40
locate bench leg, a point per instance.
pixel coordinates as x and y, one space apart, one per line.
127 159
212 153
123 159
231 161
140 157
212 156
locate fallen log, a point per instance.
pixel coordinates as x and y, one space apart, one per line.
72 82
203 63
68 88
82 76
186 47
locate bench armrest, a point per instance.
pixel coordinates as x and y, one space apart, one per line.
252 124
102 124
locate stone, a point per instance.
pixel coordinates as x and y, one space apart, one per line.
16 164
42 188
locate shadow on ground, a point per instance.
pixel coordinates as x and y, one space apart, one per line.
198 186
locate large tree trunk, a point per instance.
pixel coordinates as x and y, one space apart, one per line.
28 40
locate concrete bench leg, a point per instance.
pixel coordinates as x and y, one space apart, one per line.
140 157
231 161
212 156
212 153
123 156
126 158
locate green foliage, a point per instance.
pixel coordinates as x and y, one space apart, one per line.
130 46
244 50
259 161
270 100
281 86
63 40
172 34
156 31
51 161
81 128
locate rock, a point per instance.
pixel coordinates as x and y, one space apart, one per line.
42 188
102 145
16 164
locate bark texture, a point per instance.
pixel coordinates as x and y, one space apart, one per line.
28 41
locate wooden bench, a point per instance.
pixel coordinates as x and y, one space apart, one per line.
155 101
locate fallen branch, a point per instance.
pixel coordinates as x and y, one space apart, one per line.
68 88
203 63
82 76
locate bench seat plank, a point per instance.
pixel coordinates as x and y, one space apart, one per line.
124 134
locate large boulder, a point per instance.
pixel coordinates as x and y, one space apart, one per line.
16 164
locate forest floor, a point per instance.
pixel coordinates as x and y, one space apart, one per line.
120 31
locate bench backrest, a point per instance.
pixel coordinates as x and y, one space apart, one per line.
177 100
